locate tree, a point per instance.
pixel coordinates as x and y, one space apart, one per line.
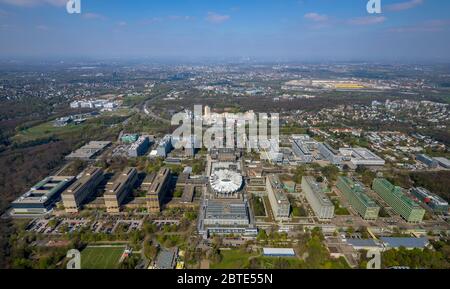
330 172
262 235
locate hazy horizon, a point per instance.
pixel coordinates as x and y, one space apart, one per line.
268 30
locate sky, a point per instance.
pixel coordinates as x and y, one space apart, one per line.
306 30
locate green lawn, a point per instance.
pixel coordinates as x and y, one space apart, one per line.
232 259
258 207
101 257
45 130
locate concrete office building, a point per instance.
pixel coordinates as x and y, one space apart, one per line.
224 154
318 200
357 197
164 146
139 147
256 185
157 191
330 154
117 190
428 161
278 199
362 157
42 196
433 201
75 195
301 151
402 205
89 151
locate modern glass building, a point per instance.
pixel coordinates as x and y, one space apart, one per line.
357 197
402 205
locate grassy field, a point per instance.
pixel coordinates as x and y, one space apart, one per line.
45 130
232 259
101 257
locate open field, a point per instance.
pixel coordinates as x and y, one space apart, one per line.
45 130
232 259
101 257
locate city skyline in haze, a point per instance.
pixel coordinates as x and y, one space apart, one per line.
307 30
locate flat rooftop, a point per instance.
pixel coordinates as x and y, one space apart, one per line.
318 190
44 190
226 209
115 187
89 150
405 242
85 178
398 192
359 191
278 188
278 251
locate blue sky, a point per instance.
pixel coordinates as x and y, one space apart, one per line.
309 30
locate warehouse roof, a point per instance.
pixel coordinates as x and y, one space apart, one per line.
278 252
408 243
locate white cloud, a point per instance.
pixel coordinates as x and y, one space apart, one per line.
217 18
369 20
316 17
428 26
178 17
152 20
42 27
122 23
93 16
31 3
404 5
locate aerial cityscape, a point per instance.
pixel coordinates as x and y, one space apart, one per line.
287 159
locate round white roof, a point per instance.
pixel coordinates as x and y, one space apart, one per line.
225 181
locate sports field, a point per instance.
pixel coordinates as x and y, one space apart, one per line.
101 257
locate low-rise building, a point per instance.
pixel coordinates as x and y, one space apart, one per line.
433 201
362 157
89 151
443 162
329 153
42 196
225 217
278 252
301 151
166 259
428 161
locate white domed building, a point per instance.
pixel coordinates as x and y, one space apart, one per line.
226 182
